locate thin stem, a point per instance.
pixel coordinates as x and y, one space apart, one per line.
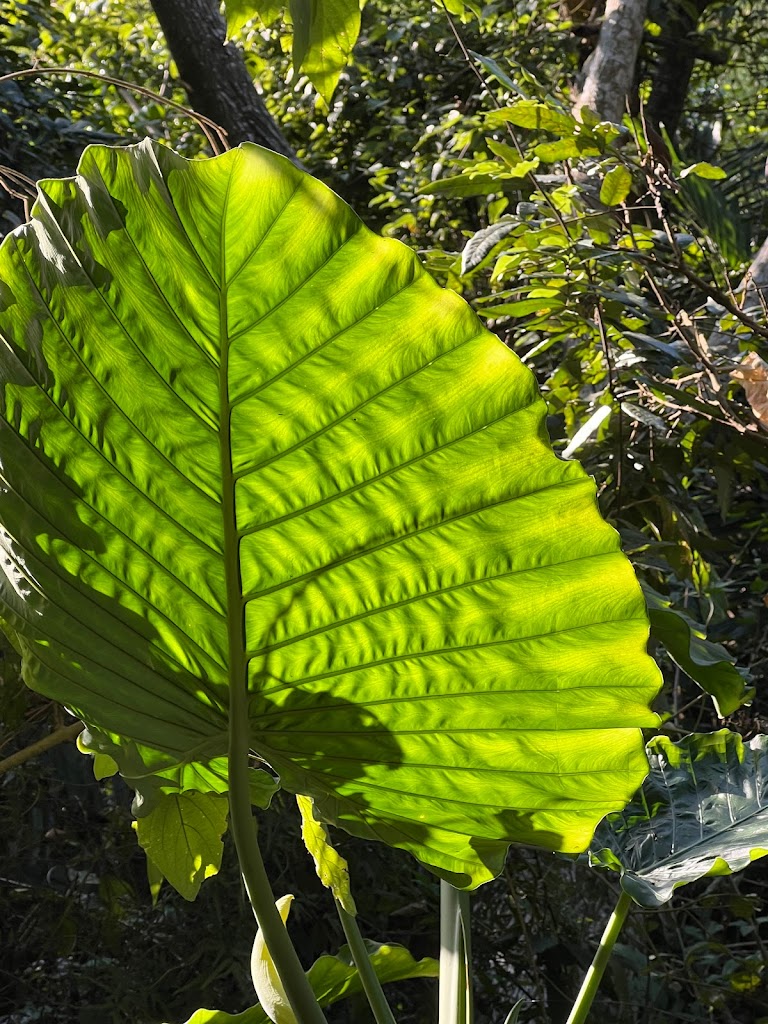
291 973
207 126
465 922
596 970
371 984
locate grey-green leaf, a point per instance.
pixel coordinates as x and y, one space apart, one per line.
703 810
482 243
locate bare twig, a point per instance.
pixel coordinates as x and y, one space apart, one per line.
214 133
53 739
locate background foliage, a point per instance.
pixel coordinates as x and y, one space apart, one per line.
605 275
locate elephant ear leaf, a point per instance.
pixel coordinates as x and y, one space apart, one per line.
703 810
248 447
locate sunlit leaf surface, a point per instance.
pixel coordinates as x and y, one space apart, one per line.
245 442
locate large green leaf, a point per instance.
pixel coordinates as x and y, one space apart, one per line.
245 442
335 977
703 810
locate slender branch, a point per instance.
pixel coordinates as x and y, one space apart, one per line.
720 297
53 739
371 984
596 970
209 127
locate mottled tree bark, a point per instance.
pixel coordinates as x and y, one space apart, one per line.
610 71
214 73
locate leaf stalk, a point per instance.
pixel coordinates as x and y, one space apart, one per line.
297 987
596 970
371 984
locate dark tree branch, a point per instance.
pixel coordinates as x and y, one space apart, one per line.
679 48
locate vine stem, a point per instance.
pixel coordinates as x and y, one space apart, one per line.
297 988
371 984
596 970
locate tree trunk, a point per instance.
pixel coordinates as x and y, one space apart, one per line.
677 46
214 73
610 71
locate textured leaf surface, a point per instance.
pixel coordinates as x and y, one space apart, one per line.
335 977
246 442
703 810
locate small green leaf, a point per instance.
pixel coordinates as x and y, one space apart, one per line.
480 184
523 308
508 154
703 810
566 149
238 12
494 69
335 977
182 837
702 169
616 185
104 766
708 664
530 114
331 867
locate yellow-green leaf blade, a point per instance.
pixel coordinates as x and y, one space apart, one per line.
443 644
182 838
331 867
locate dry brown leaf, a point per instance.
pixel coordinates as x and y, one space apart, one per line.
753 374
